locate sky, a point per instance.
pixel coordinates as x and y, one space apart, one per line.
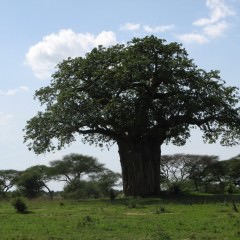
36 35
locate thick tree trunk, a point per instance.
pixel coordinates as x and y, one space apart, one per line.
140 161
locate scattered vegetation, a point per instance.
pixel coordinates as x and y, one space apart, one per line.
152 219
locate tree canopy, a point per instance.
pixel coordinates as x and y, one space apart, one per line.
139 95
7 179
30 182
146 87
74 167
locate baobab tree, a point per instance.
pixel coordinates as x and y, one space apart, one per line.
138 95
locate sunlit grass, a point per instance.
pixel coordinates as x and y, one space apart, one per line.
120 219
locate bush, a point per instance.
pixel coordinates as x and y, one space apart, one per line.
112 194
20 205
132 203
81 190
86 221
230 188
176 188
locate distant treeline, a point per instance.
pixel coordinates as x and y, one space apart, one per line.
84 177
199 173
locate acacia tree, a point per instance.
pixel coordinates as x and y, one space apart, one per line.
106 180
138 95
30 183
43 173
232 169
179 168
7 180
73 167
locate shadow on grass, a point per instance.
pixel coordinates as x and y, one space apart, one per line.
182 198
199 198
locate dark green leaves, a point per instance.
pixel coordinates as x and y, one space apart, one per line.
146 88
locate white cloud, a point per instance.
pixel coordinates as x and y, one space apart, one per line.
130 27
24 88
215 30
193 38
157 29
12 92
45 55
218 11
212 27
5 118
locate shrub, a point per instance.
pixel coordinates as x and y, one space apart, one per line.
132 203
161 210
20 205
86 221
112 194
231 188
176 188
80 190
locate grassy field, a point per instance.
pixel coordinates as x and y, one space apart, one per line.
191 218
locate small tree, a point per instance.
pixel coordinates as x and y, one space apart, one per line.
232 170
44 174
106 181
73 167
84 176
30 183
7 180
181 169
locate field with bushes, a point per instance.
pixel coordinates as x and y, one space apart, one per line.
191 217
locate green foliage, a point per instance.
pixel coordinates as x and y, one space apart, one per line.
82 189
112 194
145 88
176 188
199 173
19 205
7 180
231 188
74 167
144 93
232 169
105 181
30 183
84 176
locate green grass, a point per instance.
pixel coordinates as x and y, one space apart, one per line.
146 219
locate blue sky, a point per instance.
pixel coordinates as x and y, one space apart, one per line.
36 35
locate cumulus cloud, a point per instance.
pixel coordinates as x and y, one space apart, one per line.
211 27
5 118
193 38
157 29
218 11
215 30
12 92
146 28
130 27
44 56
24 88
